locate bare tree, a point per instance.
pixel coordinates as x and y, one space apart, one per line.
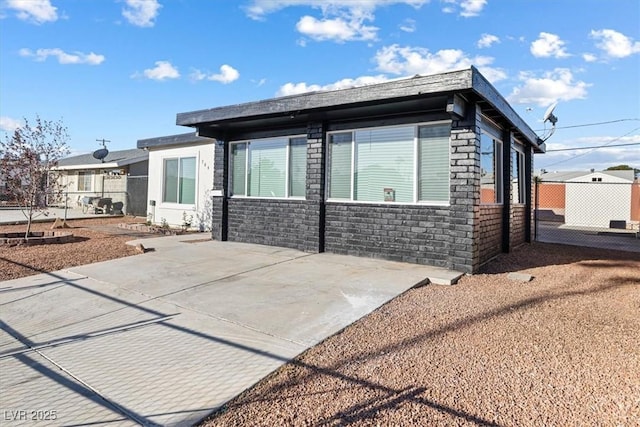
27 160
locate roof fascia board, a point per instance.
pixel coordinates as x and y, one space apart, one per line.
420 85
486 90
173 140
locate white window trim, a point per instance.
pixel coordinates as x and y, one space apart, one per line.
519 150
246 168
180 206
488 128
415 202
91 175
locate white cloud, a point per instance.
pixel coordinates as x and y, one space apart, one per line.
258 9
552 86
615 44
472 7
408 61
141 13
227 75
468 8
589 57
487 40
36 11
337 29
9 124
408 26
587 159
298 88
63 57
341 20
162 71
548 45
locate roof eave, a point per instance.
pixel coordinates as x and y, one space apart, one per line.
342 98
173 140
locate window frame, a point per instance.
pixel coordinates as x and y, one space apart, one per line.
165 203
415 165
247 159
498 162
518 150
85 174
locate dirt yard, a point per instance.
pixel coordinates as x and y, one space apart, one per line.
95 240
561 350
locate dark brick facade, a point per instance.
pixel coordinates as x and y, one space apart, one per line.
517 235
490 232
460 236
286 223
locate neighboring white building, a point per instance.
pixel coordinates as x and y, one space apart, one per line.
596 198
180 180
590 199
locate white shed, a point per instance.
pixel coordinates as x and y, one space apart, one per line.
594 199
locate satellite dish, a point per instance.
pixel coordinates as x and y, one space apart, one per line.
551 118
548 115
100 154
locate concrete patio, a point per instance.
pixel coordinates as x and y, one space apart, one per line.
167 337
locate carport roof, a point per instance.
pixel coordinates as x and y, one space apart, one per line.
426 92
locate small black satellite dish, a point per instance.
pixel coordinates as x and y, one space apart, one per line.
101 154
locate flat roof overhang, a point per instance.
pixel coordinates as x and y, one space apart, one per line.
420 94
173 140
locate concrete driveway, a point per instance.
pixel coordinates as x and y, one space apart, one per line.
167 337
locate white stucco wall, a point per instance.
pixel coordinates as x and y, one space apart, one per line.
594 204
173 212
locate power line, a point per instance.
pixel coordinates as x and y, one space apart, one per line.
587 152
592 124
595 146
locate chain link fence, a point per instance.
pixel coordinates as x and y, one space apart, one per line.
595 214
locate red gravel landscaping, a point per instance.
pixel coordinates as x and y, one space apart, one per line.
561 350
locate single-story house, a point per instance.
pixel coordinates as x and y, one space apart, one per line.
120 179
393 170
589 199
180 180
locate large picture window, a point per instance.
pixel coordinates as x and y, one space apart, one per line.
271 167
403 164
490 169
180 180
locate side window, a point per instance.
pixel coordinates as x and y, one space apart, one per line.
490 169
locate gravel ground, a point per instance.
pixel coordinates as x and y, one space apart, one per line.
562 350
95 240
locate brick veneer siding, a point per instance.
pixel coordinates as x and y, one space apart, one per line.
415 234
490 232
517 234
273 222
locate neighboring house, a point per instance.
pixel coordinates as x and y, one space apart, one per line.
589 199
392 171
120 177
180 180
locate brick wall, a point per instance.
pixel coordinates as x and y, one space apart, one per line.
490 232
286 223
415 234
517 235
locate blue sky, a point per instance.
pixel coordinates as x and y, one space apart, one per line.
122 69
